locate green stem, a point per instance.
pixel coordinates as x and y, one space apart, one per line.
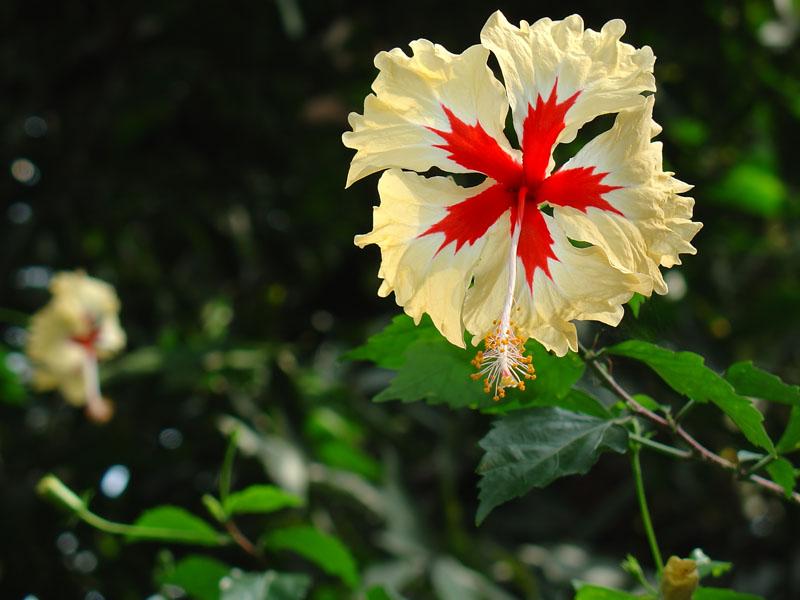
152 533
227 467
51 487
684 411
659 447
759 465
648 524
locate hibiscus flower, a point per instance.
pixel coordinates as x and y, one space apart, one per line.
78 327
532 248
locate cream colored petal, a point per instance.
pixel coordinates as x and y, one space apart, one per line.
59 364
609 74
423 277
582 286
73 388
655 225
409 95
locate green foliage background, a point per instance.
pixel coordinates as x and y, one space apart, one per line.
192 158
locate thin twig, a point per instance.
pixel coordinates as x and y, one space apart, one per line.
772 486
702 452
697 450
629 400
240 538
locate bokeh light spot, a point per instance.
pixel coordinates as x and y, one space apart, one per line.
322 321
86 562
25 171
115 481
35 126
170 438
67 543
19 213
33 277
676 284
16 362
37 418
720 327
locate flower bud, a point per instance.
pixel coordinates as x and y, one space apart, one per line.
52 488
679 579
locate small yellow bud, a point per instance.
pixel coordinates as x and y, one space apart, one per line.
679 579
52 488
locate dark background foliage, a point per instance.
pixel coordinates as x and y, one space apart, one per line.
190 154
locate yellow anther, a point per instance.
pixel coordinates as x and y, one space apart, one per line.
502 364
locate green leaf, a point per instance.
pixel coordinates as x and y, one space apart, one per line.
688 131
706 566
752 188
342 456
260 499
378 592
790 440
323 422
214 507
706 593
579 401
451 580
748 380
782 472
198 576
270 585
555 374
436 371
11 389
685 373
386 348
431 368
173 524
531 448
573 399
595 592
648 402
323 549
635 303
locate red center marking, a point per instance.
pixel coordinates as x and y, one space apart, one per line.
89 340
540 130
474 149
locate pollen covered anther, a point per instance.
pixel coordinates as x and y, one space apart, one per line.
502 363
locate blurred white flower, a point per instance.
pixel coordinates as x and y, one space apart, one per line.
78 327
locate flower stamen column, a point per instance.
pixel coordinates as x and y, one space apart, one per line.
98 408
502 361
